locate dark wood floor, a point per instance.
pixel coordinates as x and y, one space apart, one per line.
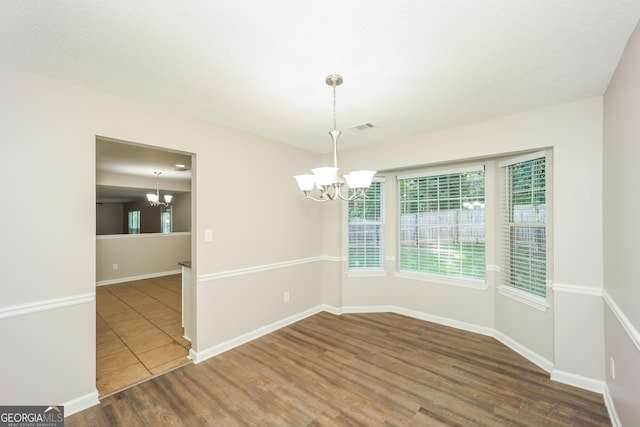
355 369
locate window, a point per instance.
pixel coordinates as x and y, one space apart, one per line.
165 220
134 222
442 223
525 232
366 229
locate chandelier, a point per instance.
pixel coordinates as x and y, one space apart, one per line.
326 179
154 199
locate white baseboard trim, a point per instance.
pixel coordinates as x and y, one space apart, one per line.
469 327
523 351
368 309
331 309
140 277
46 305
200 356
555 375
81 403
413 314
482 330
84 402
611 407
578 381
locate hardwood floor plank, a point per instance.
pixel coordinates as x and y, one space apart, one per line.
355 370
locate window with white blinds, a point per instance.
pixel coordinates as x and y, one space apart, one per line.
133 218
442 223
366 229
525 217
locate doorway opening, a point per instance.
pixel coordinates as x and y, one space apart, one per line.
142 251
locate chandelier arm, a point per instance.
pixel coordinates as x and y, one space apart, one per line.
156 204
339 193
327 194
308 196
357 194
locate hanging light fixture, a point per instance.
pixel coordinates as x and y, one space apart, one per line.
326 179
154 199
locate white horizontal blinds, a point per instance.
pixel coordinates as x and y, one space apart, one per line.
442 223
134 222
525 233
366 229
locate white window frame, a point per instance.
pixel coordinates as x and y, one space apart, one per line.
368 270
506 288
462 281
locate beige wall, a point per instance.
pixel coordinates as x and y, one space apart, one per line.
181 212
140 255
110 218
622 234
49 256
572 346
149 216
268 242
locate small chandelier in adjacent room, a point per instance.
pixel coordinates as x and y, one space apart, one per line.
326 179
154 199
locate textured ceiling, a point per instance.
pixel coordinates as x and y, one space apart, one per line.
410 66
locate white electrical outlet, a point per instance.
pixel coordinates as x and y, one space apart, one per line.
115 266
286 296
612 368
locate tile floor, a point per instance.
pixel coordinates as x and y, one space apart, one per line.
139 332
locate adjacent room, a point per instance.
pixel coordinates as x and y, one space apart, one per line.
327 213
143 254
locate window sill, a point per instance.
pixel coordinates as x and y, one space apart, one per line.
535 301
443 280
367 273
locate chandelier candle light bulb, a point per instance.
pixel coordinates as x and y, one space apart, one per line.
325 178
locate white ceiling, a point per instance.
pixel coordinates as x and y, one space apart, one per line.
138 164
122 158
410 66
